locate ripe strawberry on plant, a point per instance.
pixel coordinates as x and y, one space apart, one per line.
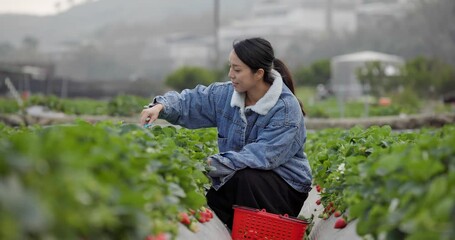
337 213
206 215
318 202
184 218
340 223
201 217
329 209
318 188
209 213
160 236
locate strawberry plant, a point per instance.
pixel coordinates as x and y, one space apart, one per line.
102 181
112 180
397 184
121 105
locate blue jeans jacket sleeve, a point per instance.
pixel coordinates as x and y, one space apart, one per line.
191 108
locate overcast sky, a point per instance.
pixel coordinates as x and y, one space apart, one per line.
36 7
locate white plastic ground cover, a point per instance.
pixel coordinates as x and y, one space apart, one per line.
324 229
213 229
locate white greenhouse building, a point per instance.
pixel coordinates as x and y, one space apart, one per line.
344 82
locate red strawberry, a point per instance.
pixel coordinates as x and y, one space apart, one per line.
328 209
160 236
337 213
318 202
318 188
206 215
200 216
340 223
184 218
209 213
202 219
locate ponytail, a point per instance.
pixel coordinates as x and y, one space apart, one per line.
280 67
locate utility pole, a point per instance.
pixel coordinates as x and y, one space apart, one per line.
216 26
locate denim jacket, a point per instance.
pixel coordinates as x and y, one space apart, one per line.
274 142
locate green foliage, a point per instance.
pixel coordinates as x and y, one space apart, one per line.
408 100
394 183
317 73
103 181
189 77
330 108
317 112
78 106
121 105
428 77
392 110
374 75
8 105
126 105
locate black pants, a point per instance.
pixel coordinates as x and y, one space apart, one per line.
256 189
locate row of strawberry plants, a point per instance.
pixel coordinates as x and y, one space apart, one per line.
121 105
102 181
398 185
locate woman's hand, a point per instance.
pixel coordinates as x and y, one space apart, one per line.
149 115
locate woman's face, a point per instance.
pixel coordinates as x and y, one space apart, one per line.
242 77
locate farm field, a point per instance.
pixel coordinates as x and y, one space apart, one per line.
321 114
328 108
110 179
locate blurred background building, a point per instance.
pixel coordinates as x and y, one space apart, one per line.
345 83
116 40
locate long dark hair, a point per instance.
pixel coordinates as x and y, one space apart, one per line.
258 53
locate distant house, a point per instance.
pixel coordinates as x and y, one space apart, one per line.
344 82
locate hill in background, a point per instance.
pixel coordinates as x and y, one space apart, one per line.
92 18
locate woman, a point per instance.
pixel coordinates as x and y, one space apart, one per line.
261 132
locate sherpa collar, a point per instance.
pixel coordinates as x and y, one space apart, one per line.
266 102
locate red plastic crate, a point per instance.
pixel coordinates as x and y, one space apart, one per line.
250 223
